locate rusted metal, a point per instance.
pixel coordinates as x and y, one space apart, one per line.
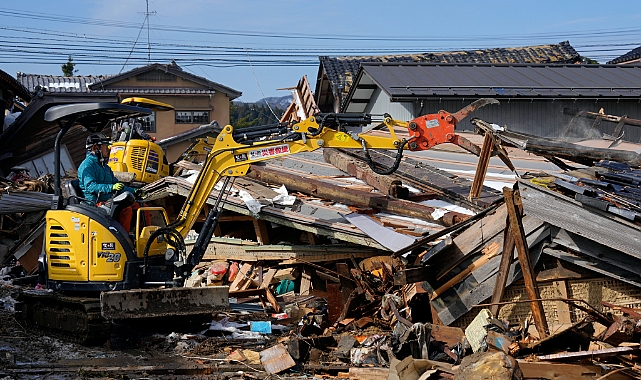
634 313
148 303
531 287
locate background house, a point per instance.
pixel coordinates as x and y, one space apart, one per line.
535 99
336 74
197 101
630 58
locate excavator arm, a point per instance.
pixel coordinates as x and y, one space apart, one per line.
231 158
228 157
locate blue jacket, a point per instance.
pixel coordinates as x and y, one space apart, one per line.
97 179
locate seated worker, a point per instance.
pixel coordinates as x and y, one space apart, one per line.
132 130
98 182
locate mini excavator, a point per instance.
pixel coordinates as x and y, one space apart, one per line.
96 272
135 152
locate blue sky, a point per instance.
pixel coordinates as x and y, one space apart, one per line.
258 46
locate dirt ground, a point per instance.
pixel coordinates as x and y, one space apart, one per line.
130 353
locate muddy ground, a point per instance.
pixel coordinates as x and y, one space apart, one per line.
129 353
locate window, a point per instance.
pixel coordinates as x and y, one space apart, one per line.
155 76
149 123
193 117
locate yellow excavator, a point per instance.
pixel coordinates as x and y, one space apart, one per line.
135 152
87 253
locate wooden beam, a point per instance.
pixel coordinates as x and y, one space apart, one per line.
359 169
348 196
504 267
260 227
511 198
488 253
481 166
563 311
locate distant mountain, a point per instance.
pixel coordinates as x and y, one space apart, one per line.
276 101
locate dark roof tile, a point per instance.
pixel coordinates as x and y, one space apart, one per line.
629 56
341 71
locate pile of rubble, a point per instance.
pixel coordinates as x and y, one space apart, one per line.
411 277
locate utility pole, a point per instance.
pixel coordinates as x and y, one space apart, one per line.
147 13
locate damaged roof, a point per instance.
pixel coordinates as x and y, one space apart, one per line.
632 55
341 71
409 81
58 83
12 85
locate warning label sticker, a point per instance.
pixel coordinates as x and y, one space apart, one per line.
269 152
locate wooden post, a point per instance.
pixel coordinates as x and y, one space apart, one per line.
481 167
504 267
511 198
262 236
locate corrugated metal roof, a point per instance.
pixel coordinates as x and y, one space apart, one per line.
415 80
632 55
342 71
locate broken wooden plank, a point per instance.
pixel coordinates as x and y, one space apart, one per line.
516 224
306 280
242 279
356 373
481 166
360 198
576 355
488 253
561 371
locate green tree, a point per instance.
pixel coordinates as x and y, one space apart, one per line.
589 61
68 69
242 115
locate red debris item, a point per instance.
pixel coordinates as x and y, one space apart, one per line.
233 271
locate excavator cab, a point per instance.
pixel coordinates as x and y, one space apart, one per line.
133 151
86 249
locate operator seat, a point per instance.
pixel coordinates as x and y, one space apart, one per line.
74 192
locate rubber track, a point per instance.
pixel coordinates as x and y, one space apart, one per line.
71 318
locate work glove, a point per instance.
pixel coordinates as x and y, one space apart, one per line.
118 186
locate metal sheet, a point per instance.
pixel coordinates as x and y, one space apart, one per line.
385 236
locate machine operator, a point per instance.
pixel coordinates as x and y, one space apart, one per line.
97 180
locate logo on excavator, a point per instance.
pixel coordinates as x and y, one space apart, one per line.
240 157
111 257
109 246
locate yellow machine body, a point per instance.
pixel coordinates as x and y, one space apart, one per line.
81 249
144 159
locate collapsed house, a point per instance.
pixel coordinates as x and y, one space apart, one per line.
404 276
